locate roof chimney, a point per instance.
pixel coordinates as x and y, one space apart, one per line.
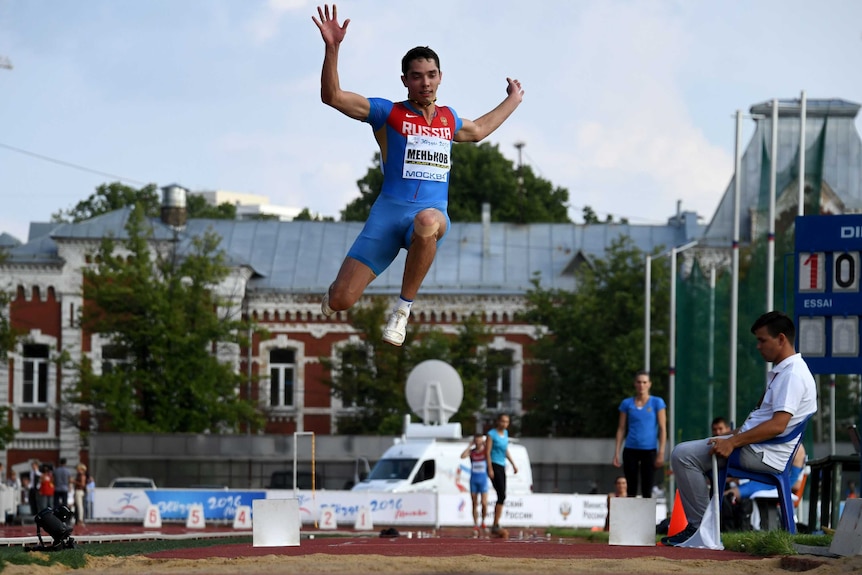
174 206
486 229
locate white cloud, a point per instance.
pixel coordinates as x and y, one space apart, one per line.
632 134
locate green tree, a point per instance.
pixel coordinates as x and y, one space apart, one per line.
159 312
306 216
593 344
590 216
370 375
467 352
480 174
198 208
116 196
111 197
8 341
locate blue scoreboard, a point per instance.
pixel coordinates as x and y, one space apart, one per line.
828 302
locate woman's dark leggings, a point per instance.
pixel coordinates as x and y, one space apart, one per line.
639 464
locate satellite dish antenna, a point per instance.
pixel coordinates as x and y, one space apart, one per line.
434 391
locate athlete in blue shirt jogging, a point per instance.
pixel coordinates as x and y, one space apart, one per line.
415 138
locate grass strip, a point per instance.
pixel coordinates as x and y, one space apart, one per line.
77 558
758 543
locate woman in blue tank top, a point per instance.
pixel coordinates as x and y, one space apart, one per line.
497 452
643 424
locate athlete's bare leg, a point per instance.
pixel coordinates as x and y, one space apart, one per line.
484 508
428 227
353 277
475 498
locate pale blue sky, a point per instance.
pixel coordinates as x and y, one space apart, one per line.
628 103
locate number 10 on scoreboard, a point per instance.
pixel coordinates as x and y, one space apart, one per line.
812 272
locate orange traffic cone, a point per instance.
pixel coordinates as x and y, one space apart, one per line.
678 522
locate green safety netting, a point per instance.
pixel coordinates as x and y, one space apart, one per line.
703 355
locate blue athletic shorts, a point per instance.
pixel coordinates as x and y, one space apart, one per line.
388 229
479 483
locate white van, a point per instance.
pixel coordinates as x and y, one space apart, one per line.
433 464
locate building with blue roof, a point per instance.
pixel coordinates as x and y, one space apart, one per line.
279 271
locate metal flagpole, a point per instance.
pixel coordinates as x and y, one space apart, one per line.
647 309
734 281
770 236
802 121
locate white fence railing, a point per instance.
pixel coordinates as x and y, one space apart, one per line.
413 509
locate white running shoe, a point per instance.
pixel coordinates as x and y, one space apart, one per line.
396 328
324 306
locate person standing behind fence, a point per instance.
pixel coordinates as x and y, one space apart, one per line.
80 483
62 480
621 489
91 495
46 488
33 490
643 424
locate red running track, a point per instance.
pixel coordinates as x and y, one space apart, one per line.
448 542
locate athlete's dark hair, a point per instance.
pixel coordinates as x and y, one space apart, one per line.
776 322
418 53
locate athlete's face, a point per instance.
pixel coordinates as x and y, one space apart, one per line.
422 79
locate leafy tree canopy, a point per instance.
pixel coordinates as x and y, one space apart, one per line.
116 196
159 312
480 174
590 217
370 375
8 340
307 216
593 345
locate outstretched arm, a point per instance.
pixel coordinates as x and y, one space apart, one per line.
621 433
479 129
347 103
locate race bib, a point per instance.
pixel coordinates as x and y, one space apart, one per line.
427 158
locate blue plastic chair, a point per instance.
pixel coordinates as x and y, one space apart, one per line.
781 481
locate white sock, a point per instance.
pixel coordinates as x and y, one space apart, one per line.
404 304
324 305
